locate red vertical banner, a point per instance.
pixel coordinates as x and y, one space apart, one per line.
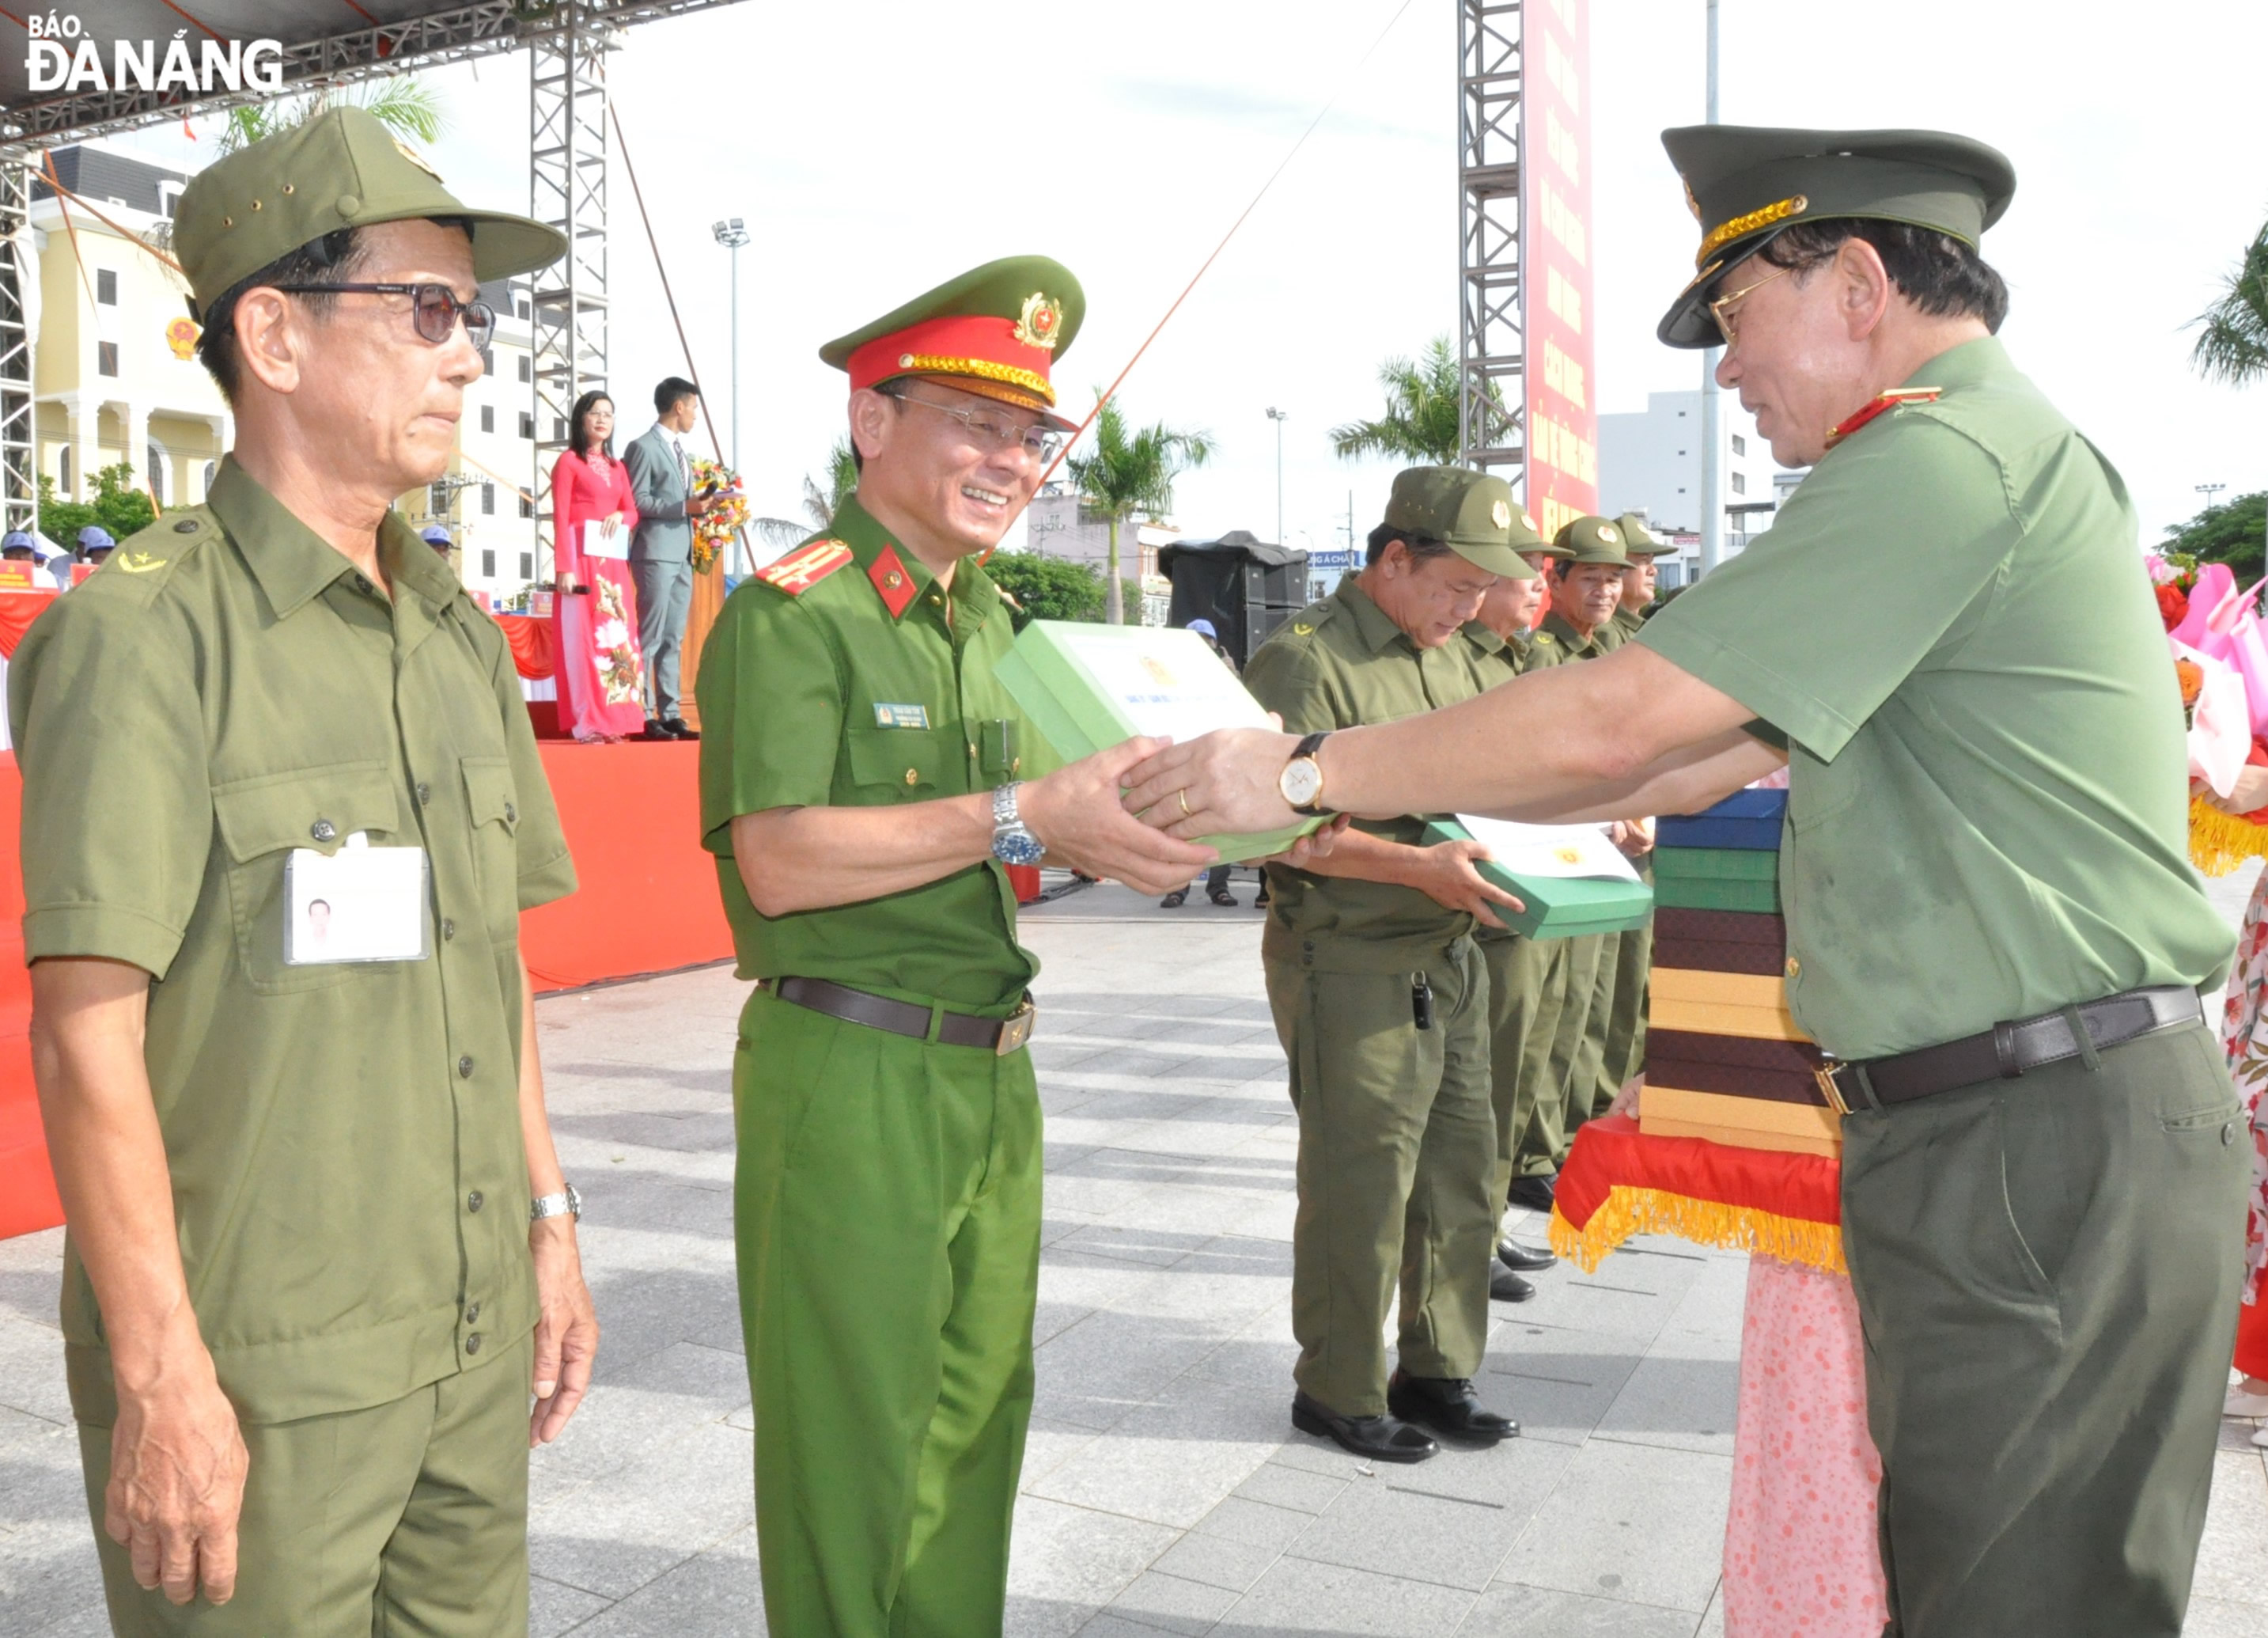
1555 150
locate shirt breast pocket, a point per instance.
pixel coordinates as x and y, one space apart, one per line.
493 802
260 820
890 765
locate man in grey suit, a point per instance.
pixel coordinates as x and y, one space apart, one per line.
661 550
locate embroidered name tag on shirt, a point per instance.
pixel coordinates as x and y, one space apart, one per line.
901 716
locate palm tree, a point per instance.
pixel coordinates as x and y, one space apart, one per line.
1420 423
404 104
1125 473
822 505
2234 345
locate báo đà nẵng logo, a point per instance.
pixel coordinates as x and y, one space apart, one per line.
66 57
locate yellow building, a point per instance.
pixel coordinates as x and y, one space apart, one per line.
115 378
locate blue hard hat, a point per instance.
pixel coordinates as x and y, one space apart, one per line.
435 535
94 537
1202 628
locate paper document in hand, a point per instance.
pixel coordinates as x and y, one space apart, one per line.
1565 850
598 543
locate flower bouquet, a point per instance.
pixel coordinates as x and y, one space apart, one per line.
2221 661
714 529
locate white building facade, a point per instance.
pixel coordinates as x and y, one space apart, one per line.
1650 462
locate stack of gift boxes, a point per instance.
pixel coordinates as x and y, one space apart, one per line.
1724 1059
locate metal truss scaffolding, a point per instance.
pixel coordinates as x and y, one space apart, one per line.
19 264
1491 345
567 181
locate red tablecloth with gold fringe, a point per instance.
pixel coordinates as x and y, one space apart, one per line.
1618 1182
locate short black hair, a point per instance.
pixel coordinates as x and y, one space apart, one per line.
1420 546
673 390
333 259
1940 273
578 440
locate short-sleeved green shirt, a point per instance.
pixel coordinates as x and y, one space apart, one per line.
1986 811
1341 663
814 695
348 1178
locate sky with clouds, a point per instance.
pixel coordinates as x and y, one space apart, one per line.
875 149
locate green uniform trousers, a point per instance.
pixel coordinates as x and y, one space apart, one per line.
408 1517
1537 1142
887 1206
1522 1007
1624 1054
1397 1147
1551 1130
2047 1273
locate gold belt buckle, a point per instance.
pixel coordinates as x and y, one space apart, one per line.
1824 1074
1016 1028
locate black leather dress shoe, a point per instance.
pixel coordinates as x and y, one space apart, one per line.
675 727
1533 1192
1448 1406
1507 1286
1377 1438
654 731
1524 1259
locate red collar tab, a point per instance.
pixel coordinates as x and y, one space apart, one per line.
1887 402
805 566
888 572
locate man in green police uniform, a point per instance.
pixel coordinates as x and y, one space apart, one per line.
863 780
1992 923
1527 977
304 1300
1381 999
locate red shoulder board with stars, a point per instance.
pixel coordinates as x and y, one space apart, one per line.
1883 405
888 573
805 566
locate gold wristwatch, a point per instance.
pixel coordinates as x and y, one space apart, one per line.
1302 782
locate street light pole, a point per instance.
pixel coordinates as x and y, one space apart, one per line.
732 233
1279 417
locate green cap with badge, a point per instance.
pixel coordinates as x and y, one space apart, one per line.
1746 184
1638 541
1473 512
1591 540
340 169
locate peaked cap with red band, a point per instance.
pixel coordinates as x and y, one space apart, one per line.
995 331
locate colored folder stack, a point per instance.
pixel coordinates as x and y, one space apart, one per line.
1725 1060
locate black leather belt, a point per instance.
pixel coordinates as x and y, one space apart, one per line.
1004 1036
2008 1050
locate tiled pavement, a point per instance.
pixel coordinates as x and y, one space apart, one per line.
1163 1491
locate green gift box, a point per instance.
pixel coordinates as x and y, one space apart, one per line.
1716 878
1528 863
1086 688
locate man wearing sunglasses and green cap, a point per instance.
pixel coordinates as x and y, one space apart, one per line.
320 1253
1993 925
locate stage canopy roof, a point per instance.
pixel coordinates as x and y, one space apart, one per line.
324 42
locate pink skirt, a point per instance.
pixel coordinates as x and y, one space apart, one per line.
1800 1559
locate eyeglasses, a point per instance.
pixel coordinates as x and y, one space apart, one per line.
1722 309
434 307
990 433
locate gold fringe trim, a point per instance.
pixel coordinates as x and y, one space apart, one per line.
982 369
1632 1211
2220 842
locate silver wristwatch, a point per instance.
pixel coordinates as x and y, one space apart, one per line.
1012 842
567 1202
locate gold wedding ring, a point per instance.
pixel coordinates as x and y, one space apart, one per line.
1182 797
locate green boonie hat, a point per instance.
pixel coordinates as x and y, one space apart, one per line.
1638 541
340 169
1474 513
1746 184
995 330
1592 540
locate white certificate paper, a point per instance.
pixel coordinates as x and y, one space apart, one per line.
1167 681
1566 851
596 543
360 904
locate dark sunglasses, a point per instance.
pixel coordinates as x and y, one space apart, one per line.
434 307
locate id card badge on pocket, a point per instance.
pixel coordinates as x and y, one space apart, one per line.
360 904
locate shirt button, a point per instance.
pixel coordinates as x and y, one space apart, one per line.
322 830
424 792
474 1201
2227 1134
912 776
473 1343
464 1066
448 929
471 1313
510 814
1794 967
